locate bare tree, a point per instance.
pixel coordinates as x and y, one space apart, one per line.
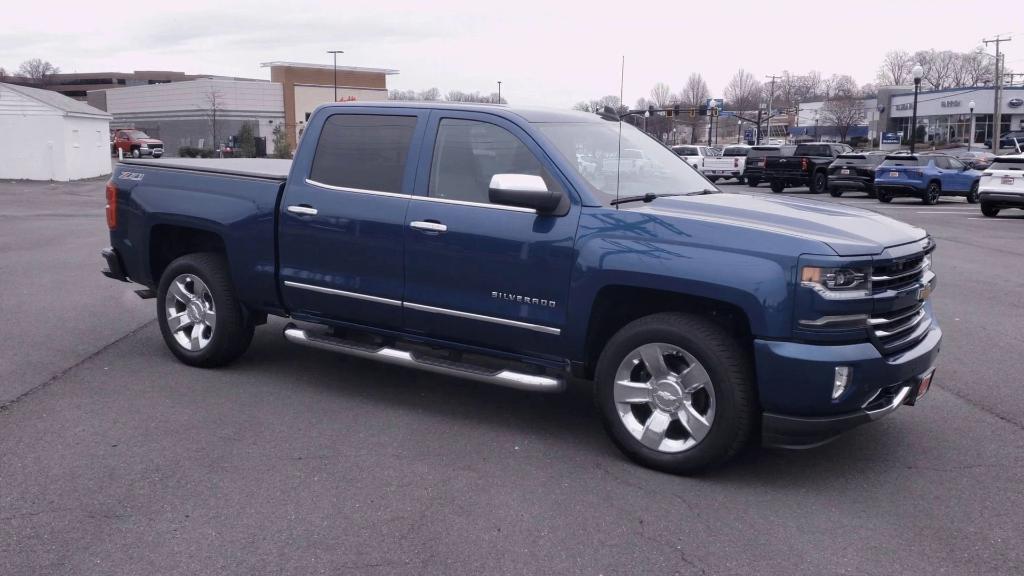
895 70
37 70
661 95
3 74
599 104
693 95
743 92
939 72
430 95
214 106
977 68
843 112
838 86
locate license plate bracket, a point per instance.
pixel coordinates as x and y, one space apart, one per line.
894 174
844 171
1007 180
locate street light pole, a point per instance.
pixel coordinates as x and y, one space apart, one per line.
970 140
499 91
335 53
918 72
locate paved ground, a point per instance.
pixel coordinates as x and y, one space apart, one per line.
116 459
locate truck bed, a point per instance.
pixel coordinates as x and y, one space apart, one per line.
269 168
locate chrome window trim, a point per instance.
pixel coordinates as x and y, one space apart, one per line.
335 292
477 204
356 190
425 308
481 317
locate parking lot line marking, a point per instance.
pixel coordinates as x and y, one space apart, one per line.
993 219
939 212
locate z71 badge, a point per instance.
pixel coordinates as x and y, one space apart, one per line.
137 176
523 299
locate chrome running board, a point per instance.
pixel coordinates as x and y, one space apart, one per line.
500 377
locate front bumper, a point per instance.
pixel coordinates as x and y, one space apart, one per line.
795 386
114 269
1003 199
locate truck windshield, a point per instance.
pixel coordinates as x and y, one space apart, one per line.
136 134
646 167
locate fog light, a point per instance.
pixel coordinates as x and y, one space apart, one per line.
841 380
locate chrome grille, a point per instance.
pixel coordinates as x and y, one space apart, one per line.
899 274
896 330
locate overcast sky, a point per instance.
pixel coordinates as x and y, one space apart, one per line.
545 53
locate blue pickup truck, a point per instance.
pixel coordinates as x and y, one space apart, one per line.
468 240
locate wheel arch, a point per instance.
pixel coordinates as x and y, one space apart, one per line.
615 306
168 242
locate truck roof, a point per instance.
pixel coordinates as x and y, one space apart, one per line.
530 114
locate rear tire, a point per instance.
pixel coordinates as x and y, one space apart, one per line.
932 194
753 182
201 320
655 421
835 192
870 191
713 179
777 186
972 196
883 196
989 210
819 183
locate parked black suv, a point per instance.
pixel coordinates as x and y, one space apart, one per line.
855 171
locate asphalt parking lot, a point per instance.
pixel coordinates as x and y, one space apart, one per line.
116 459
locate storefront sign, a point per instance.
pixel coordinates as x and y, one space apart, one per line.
906 106
950 103
890 138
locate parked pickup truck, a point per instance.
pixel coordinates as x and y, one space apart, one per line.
465 240
136 143
730 164
808 166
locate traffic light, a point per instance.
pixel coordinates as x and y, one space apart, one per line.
693 112
650 109
702 110
714 112
674 111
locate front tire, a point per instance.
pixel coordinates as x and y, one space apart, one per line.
883 196
932 194
676 392
972 196
200 317
819 184
136 153
989 210
777 186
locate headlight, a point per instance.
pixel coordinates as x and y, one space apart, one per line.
837 283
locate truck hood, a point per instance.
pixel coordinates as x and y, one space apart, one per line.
846 230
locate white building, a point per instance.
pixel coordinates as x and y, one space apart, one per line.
45 135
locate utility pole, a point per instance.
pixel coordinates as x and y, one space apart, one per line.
335 53
998 119
499 91
771 96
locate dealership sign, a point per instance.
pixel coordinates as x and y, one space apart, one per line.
905 106
890 138
950 103
1015 103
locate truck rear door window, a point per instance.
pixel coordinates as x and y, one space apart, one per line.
468 153
363 151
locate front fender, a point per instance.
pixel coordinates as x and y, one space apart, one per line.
733 265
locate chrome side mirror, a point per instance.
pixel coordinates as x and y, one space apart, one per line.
523 190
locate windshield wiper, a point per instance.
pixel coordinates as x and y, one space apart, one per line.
650 197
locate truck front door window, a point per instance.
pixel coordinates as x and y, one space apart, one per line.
469 152
365 152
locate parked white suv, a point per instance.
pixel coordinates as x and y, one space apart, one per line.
1002 185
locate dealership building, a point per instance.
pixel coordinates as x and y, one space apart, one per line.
185 112
944 116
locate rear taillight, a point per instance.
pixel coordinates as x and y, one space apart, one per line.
803 164
111 205
735 162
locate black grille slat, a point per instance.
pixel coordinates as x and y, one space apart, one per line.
896 330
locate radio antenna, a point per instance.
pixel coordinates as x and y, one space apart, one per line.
618 156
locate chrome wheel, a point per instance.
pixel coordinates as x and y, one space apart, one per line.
664 397
191 316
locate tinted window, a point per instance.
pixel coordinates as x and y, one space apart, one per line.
813 150
954 163
761 153
686 150
468 153
908 161
736 152
363 151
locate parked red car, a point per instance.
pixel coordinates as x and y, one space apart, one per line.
136 143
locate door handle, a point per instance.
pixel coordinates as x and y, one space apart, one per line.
304 209
428 226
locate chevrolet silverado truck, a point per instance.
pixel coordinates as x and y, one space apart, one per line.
467 241
808 166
